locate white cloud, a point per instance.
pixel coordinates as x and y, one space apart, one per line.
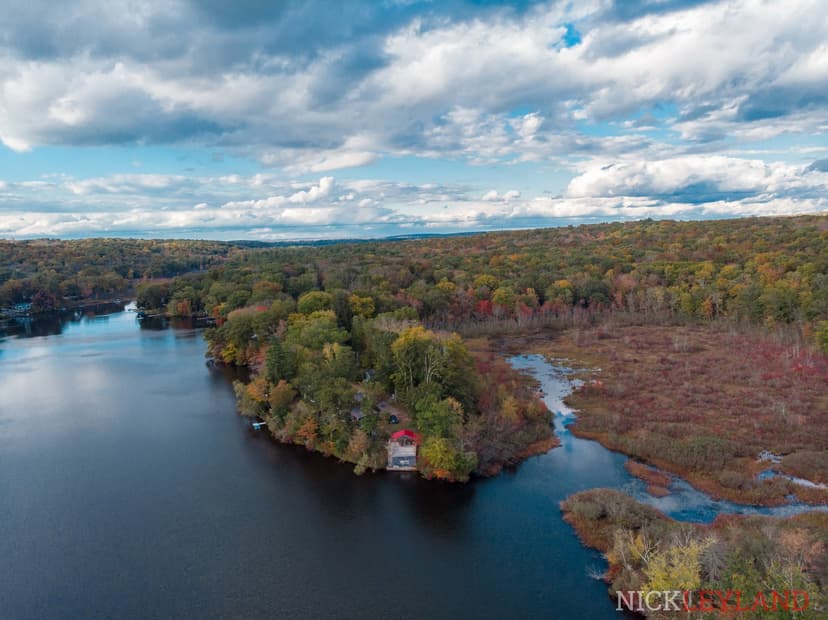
316 192
208 206
656 113
333 161
493 196
443 86
694 175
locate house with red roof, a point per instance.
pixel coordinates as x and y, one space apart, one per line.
402 450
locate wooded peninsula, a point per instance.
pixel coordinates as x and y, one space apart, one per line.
711 336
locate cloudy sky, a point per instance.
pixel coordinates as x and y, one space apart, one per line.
266 120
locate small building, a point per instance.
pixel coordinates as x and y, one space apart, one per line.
357 414
402 451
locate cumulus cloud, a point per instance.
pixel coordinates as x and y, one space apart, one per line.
693 178
652 109
263 206
403 78
316 192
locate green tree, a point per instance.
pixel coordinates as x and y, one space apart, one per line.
440 457
442 418
314 330
314 301
362 306
278 363
418 358
677 568
822 336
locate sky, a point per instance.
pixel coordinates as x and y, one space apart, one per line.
341 119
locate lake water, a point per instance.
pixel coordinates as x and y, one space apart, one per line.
130 488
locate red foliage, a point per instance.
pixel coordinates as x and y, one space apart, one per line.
485 307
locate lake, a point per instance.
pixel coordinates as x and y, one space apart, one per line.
130 488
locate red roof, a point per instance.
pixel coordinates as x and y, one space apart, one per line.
406 433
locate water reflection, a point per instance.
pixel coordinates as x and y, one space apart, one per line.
54 324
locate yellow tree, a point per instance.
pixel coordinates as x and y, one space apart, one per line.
677 568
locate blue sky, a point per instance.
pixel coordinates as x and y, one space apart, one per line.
291 120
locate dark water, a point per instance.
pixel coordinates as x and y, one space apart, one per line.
129 488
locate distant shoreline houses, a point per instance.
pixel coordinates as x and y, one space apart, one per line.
23 309
28 309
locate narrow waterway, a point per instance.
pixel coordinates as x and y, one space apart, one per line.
683 503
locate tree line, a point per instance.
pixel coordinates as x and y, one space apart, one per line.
761 271
51 273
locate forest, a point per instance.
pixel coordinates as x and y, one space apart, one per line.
343 389
341 337
769 272
330 327
51 274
